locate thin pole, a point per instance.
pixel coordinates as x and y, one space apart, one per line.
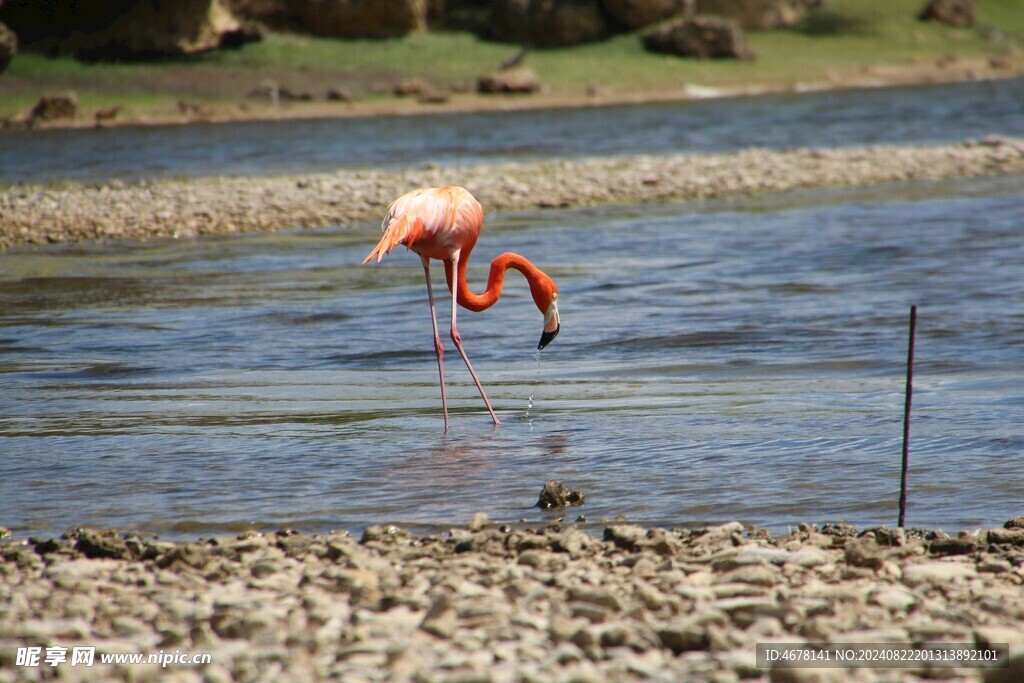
906 417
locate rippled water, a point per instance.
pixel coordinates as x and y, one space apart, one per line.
722 360
890 115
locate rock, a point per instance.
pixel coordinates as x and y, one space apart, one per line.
683 636
626 536
758 575
102 544
1012 536
52 107
247 32
808 557
894 599
123 29
478 522
864 552
273 13
441 619
556 495
185 556
634 14
749 555
338 95
994 565
596 596
8 46
359 18
959 13
1015 523
512 81
410 86
937 573
953 546
547 23
703 37
758 15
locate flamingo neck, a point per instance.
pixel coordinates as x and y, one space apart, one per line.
495 280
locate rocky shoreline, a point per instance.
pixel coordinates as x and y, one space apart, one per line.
71 212
497 603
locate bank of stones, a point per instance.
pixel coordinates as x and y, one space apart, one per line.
494 603
67 212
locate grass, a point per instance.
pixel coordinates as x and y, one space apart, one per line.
844 37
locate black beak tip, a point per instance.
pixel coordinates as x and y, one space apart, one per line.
546 338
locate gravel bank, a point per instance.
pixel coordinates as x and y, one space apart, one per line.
185 208
490 603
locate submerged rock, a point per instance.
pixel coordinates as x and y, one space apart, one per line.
556 495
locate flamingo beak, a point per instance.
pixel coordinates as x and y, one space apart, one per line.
551 326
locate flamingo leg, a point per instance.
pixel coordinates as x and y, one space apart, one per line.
458 339
438 348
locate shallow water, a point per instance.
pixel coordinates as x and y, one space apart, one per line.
919 114
722 360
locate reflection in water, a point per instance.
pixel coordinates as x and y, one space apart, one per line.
737 359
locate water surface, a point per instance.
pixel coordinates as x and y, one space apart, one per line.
718 360
907 115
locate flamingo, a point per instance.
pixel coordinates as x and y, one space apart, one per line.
444 223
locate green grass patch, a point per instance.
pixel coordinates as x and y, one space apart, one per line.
842 37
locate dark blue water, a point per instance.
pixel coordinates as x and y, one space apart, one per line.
719 360
919 114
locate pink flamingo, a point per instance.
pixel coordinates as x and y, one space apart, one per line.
444 223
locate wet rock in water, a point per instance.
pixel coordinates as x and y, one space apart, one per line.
556 495
1015 523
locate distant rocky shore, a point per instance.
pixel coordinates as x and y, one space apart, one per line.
496 603
67 212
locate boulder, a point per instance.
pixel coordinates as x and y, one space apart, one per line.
634 14
758 15
122 29
359 18
8 47
275 13
547 23
959 13
51 107
703 37
519 80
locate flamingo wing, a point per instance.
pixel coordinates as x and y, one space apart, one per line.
430 221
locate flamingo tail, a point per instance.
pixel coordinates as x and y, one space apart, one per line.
402 230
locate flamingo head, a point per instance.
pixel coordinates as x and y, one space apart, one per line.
545 295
